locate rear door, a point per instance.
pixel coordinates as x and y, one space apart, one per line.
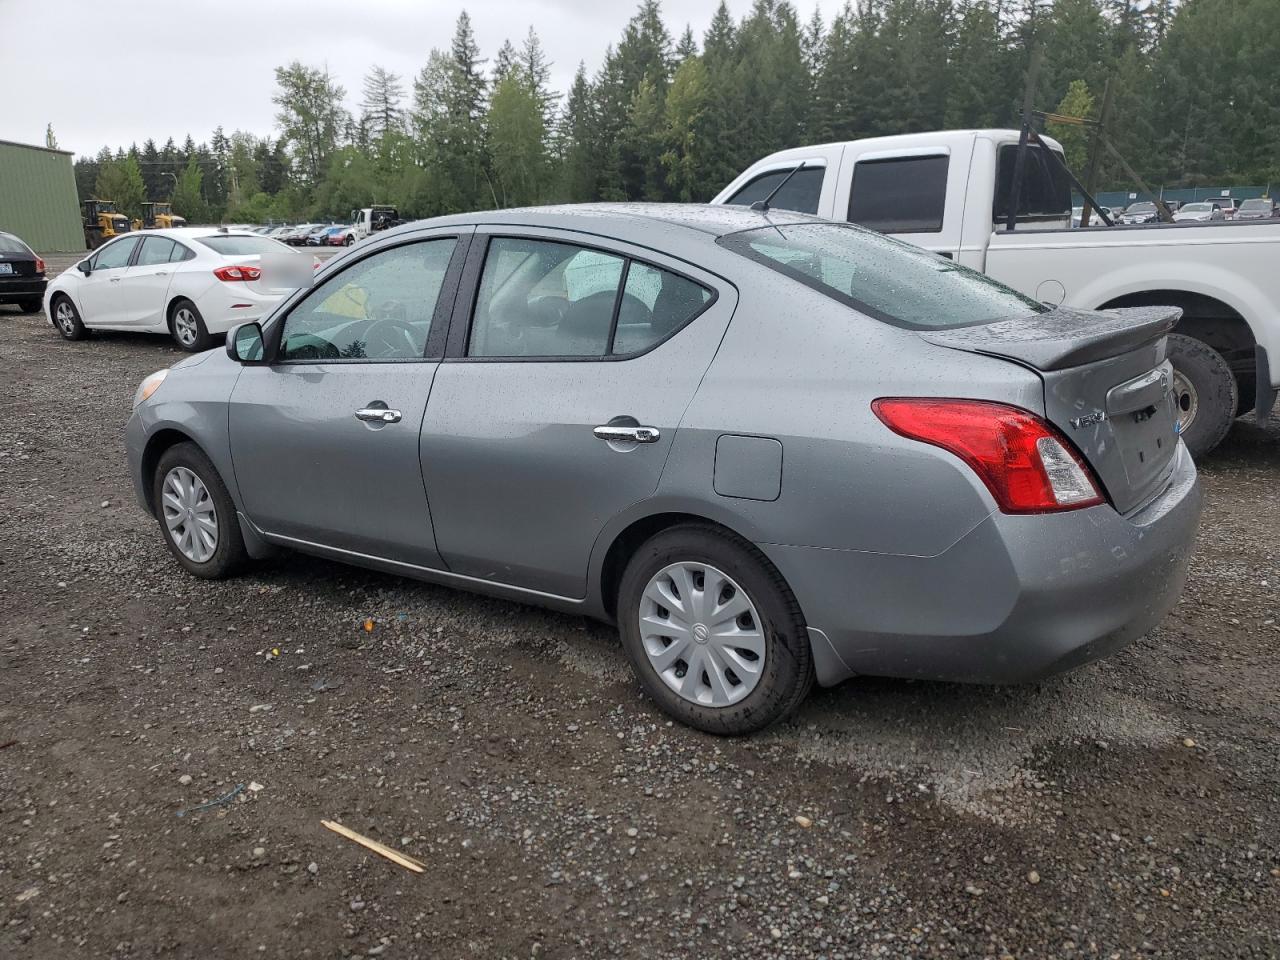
325 438
101 293
145 285
554 411
915 194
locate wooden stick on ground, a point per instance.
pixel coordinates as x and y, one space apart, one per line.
381 849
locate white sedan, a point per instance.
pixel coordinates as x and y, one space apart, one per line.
1198 213
193 283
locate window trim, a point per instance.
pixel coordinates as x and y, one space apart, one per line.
820 165
440 320
133 254
923 153
465 314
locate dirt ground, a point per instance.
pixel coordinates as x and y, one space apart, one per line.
1128 809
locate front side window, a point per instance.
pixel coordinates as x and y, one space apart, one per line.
899 194
381 308
886 279
155 250
800 193
115 255
541 298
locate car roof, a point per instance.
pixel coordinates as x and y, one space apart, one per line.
193 233
626 221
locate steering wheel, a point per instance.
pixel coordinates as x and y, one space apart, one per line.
391 337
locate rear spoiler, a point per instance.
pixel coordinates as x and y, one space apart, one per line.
1063 337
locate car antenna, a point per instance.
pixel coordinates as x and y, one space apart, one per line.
763 205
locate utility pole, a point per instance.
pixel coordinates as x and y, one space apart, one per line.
1095 145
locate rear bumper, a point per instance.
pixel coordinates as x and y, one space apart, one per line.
1016 599
21 288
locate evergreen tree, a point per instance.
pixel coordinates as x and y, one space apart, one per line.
578 142
188 196
381 104
517 142
1078 102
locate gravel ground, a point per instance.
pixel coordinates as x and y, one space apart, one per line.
1128 809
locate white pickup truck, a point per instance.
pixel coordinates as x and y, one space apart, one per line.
369 220
949 193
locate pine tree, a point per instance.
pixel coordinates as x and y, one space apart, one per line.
578 141
381 104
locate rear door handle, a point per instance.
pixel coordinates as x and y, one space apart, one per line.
378 415
628 434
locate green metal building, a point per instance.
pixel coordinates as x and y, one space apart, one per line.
38 199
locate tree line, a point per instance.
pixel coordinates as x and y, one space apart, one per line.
666 117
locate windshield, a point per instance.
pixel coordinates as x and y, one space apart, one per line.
892 281
1141 208
1197 207
1256 205
233 245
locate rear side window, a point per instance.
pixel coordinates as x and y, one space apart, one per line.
1046 190
800 193
541 298
155 250
900 194
884 278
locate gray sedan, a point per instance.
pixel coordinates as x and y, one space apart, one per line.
770 448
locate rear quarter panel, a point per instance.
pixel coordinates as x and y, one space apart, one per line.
797 367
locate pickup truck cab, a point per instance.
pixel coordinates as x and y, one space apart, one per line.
949 192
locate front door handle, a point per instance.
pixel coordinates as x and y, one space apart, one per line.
378 415
627 434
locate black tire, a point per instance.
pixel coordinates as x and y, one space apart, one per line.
348 241
1207 393
229 553
182 314
66 319
787 675
30 305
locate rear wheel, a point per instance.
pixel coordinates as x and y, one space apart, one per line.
196 515
30 305
67 319
1205 393
712 631
187 327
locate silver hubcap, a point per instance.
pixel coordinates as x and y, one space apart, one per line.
190 515
66 319
702 634
184 325
1184 395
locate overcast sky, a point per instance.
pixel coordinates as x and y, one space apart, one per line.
118 71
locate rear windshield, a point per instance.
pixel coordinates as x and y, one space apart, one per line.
12 245
232 245
1141 208
1255 205
887 279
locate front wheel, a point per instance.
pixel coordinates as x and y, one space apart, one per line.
349 241
1205 393
67 319
196 514
187 327
712 631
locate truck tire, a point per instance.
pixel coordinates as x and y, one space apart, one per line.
1205 393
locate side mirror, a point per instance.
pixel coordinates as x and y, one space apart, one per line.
244 343
84 267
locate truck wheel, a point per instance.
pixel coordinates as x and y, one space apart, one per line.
1205 393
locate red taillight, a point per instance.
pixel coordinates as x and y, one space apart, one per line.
1026 464
39 265
237 272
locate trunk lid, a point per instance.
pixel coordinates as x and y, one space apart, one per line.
17 265
1106 387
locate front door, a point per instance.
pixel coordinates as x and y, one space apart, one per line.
101 293
146 283
324 439
556 410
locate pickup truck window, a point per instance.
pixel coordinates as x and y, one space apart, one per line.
1046 191
800 193
887 279
899 194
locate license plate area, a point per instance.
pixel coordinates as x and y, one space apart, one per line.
6 268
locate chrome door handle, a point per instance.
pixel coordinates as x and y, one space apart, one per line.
628 434
378 415
161 273
114 279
